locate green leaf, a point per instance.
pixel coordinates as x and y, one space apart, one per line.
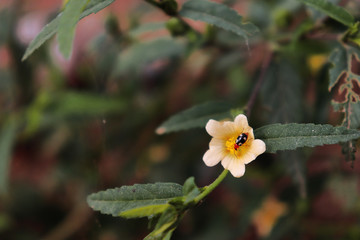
67 25
137 56
351 120
337 13
46 33
51 28
196 116
340 65
189 185
190 190
345 83
7 139
219 15
282 92
165 225
291 136
139 200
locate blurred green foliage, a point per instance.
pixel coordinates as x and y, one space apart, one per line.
72 128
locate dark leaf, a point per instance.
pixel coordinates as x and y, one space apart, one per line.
51 28
196 116
293 135
139 200
333 11
219 15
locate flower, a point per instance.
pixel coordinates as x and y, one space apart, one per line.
233 144
267 215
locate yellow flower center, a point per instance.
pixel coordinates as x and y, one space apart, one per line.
230 145
234 149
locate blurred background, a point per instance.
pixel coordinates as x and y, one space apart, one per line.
73 127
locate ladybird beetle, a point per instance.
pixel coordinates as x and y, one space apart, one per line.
240 140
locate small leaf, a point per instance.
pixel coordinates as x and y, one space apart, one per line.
219 15
46 33
67 25
165 225
7 138
51 28
344 77
337 13
189 185
344 82
137 56
164 236
339 61
196 116
291 136
190 190
139 200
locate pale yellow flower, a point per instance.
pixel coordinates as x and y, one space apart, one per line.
315 62
233 144
267 215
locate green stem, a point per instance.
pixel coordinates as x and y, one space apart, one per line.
211 187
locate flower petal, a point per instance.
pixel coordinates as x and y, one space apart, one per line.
241 120
248 157
227 161
221 130
213 157
236 167
217 143
220 148
242 124
250 133
256 148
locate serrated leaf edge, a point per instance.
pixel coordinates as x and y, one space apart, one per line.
352 136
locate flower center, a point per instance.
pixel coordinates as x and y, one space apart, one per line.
230 145
234 144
